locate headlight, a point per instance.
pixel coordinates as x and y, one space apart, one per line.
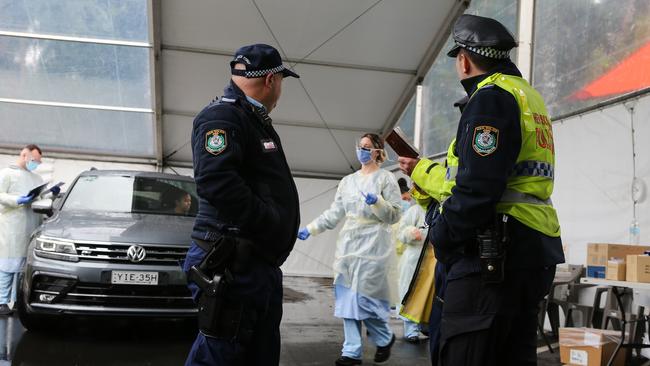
55 249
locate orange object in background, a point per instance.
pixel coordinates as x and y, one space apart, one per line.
629 75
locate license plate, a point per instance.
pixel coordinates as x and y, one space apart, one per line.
134 278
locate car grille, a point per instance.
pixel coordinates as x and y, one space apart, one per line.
70 292
117 253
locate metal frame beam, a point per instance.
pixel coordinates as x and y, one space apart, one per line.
53 37
58 153
526 23
602 105
282 123
295 173
417 125
75 105
155 17
215 52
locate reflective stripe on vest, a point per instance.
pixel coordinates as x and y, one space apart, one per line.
452 171
533 173
533 169
512 196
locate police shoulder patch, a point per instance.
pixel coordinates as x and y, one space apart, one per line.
485 140
215 141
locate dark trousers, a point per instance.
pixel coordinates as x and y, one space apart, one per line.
260 289
492 324
436 312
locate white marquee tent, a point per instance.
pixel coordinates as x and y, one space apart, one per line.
360 62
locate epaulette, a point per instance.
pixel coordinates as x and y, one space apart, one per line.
227 100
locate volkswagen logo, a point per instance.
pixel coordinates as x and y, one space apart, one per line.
136 253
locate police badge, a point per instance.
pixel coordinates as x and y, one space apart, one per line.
486 140
215 142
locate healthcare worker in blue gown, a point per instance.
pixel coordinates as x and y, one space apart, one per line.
369 201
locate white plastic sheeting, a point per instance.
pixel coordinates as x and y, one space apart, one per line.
593 176
314 256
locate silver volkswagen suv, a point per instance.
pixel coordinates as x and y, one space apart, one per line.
112 246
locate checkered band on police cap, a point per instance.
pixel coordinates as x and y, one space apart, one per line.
488 52
260 73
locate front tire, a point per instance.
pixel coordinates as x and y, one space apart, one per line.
31 322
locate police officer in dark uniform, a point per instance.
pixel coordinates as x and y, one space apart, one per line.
497 234
247 220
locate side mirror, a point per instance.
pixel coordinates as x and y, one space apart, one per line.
58 200
43 206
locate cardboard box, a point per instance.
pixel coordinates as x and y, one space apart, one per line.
616 270
589 347
598 254
596 271
638 268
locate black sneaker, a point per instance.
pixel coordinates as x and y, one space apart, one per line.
412 339
5 310
416 339
347 361
383 353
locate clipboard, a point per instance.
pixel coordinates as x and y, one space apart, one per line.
35 192
40 190
52 186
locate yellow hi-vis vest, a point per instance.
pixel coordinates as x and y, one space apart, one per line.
528 191
435 181
451 163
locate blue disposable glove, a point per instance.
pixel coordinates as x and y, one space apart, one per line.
303 234
24 200
55 190
371 198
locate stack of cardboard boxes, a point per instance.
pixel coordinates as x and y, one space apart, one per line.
618 262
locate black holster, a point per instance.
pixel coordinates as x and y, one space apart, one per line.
221 313
492 245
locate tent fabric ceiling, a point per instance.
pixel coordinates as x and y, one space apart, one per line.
359 62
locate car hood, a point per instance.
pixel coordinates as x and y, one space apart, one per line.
120 227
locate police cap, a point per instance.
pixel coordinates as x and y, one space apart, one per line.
260 60
484 36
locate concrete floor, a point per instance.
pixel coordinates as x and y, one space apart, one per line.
310 336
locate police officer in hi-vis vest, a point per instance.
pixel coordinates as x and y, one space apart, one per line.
497 234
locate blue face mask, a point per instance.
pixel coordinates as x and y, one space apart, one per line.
364 156
31 165
405 205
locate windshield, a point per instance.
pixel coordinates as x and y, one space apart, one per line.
114 193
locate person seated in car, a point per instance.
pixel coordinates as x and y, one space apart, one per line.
183 203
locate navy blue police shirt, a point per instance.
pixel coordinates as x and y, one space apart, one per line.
242 176
482 179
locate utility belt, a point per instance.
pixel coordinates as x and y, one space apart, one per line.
492 245
223 314
246 251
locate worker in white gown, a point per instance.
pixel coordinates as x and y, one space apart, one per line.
17 220
369 201
412 234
